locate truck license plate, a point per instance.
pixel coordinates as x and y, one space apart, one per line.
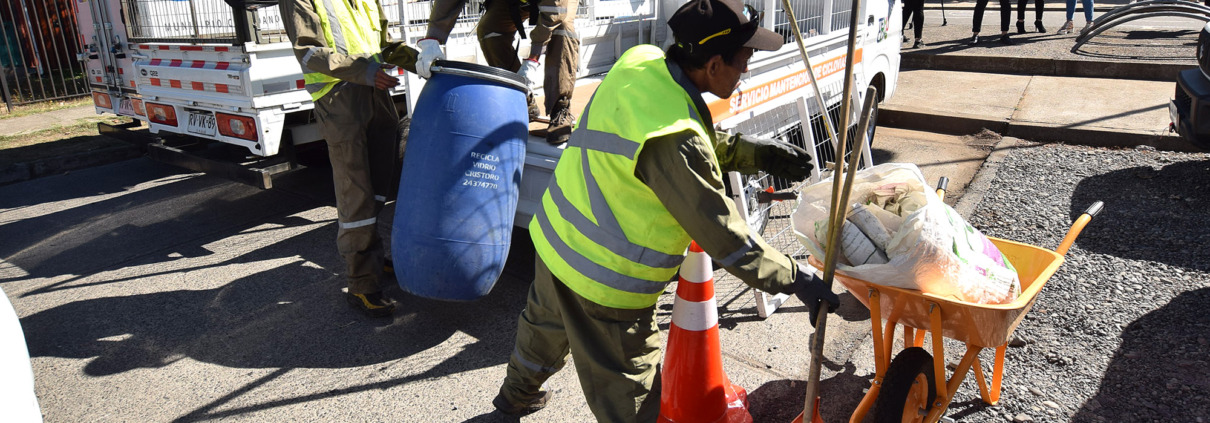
125 107
201 123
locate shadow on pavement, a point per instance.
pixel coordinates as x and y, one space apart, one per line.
1167 205
1159 372
289 316
276 305
782 400
173 221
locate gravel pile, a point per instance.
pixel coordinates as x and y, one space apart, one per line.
1122 331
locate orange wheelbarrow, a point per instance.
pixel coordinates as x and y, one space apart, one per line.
907 389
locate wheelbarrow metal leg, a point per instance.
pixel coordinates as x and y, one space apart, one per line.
888 342
881 360
938 349
991 396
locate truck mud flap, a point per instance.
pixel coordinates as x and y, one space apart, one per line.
258 173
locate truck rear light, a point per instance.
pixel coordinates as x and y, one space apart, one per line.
161 114
236 126
138 107
102 100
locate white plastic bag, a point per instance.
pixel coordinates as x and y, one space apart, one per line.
932 249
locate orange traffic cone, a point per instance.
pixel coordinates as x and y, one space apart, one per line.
695 389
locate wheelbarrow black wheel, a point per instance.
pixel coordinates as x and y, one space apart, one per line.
909 388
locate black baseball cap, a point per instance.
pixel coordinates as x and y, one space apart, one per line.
720 24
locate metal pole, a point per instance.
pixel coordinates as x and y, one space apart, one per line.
54 44
838 211
8 96
20 56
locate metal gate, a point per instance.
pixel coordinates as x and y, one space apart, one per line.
39 42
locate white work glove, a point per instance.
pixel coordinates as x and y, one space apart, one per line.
430 51
529 71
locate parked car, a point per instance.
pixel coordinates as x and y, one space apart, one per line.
1190 108
18 401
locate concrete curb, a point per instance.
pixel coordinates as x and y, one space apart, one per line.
965 125
970 199
21 172
1044 67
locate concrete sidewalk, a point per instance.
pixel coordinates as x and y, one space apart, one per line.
37 122
1091 111
1113 93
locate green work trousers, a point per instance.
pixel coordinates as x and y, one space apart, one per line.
556 27
617 351
360 125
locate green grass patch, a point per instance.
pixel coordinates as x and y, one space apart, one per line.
57 141
46 106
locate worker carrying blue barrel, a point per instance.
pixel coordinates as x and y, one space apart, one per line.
554 29
642 176
344 53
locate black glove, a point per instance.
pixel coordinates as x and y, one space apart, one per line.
812 292
781 159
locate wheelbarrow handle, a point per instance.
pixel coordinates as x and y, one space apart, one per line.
942 184
1094 209
1078 226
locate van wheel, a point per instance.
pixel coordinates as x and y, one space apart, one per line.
869 132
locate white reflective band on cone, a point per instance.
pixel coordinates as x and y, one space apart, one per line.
695 316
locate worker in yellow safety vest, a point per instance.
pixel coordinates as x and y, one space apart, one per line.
641 176
345 56
554 30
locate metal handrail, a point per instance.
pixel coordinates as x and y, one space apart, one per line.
1141 10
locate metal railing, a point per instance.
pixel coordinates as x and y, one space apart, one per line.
198 21
38 42
815 17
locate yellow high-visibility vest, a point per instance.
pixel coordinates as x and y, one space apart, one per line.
600 229
355 31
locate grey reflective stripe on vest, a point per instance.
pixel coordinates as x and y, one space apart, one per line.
552 9
592 270
615 242
338 35
604 142
735 256
318 86
596 199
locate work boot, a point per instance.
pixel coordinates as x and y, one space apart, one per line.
508 408
372 304
561 121
533 108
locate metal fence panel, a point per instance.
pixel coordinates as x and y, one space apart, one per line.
38 44
196 21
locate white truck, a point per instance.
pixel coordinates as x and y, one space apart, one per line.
221 73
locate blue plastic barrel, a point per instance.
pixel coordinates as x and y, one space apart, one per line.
458 189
